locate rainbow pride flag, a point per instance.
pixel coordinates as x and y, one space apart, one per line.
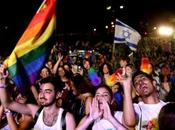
145 65
112 79
95 79
32 49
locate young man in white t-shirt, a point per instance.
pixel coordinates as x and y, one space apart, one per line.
142 115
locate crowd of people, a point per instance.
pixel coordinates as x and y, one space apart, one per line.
64 97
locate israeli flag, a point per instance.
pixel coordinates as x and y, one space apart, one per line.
126 34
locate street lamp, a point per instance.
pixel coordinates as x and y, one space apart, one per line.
165 31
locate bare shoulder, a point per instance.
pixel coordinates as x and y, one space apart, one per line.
69 115
70 121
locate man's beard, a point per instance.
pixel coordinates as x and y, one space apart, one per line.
48 104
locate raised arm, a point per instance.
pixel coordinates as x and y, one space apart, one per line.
55 67
129 116
1 112
10 104
84 123
35 93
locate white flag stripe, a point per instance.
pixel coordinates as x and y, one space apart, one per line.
132 46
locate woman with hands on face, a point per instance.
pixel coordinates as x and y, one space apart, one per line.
101 116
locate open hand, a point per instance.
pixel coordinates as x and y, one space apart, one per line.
95 112
106 110
3 74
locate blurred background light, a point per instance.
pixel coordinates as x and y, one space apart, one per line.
165 30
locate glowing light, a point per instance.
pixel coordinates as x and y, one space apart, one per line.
155 28
121 6
165 30
108 7
112 23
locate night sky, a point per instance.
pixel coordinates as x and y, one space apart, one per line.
81 16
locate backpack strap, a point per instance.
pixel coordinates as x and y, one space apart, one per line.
37 114
63 121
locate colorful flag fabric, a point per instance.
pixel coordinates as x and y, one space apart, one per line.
32 49
145 65
126 34
93 76
113 79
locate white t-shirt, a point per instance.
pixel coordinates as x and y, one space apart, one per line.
148 114
103 124
41 126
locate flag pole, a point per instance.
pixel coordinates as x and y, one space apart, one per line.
113 55
113 50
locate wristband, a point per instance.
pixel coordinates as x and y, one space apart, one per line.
3 86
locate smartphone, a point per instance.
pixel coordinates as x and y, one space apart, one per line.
78 68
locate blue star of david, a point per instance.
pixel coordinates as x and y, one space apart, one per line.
126 34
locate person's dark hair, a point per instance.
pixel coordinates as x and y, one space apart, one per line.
68 64
81 84
57 83
67 74
107 88
86 60
141 73
166 117
29 96
125 58
131 66
109 67
120 89
47 69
